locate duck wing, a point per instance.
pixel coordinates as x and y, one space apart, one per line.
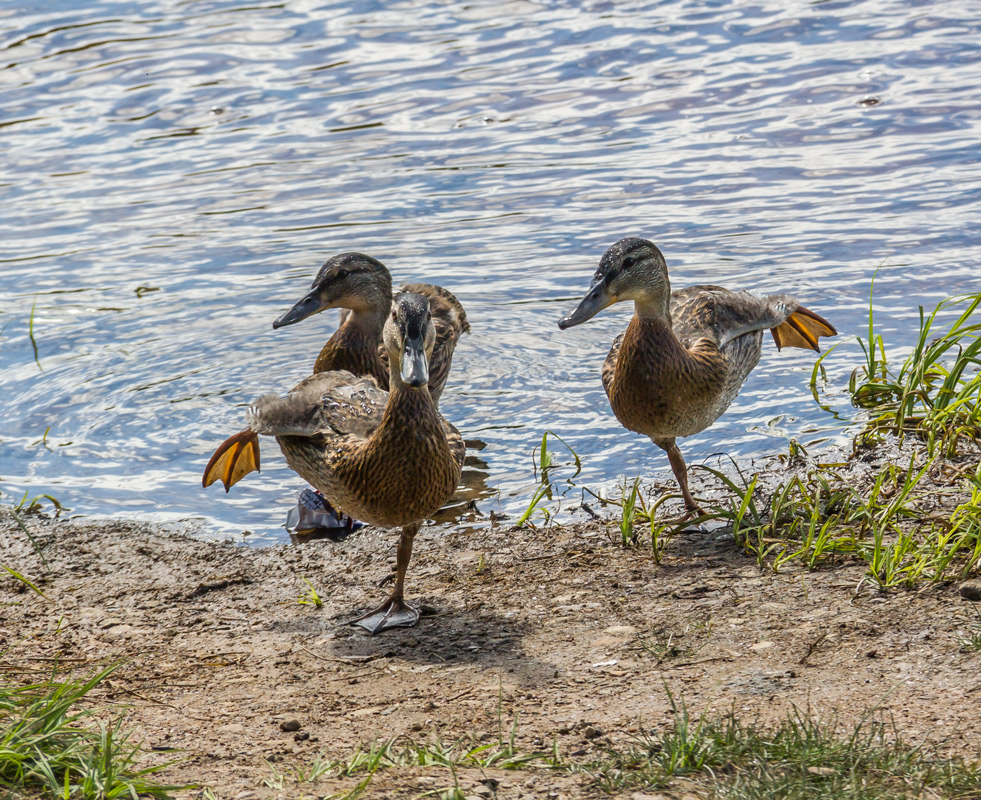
450 322
610 364
455 440
327 403
723 315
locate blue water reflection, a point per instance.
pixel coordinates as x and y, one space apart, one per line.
211 155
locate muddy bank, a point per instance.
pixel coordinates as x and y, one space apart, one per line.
562 628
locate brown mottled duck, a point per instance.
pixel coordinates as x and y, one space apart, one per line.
685 354
362 286
388 458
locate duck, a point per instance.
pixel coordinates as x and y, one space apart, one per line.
685 354
361 286
386 457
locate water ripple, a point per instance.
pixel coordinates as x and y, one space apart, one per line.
173 175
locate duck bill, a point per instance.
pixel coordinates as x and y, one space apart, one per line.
596 299
415 366
307 307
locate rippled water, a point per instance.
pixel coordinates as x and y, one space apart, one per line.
217 153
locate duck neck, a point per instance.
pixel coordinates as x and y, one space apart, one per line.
363 324
409 407
354 345
652 296
653 309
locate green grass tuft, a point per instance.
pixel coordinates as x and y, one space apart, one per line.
895 524
543 462
935 394
50 747
799 757
310 597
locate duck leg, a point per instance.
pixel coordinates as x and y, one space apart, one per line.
680 470
395 612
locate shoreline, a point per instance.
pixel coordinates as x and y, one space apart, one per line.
561 628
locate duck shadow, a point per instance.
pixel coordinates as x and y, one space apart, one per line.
453 635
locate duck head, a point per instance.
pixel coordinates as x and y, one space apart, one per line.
349 280
631 269
409 337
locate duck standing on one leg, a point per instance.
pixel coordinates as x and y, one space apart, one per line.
685 354
388 458
362 286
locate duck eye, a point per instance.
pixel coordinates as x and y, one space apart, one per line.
342 273
629 262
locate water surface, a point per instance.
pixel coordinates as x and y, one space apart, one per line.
174 173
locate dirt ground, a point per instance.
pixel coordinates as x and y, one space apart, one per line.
562 628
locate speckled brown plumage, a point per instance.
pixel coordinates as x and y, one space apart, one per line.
362 287
355 349
387 458
685 354
676 380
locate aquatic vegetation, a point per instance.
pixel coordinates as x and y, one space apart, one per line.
543 464
33 505
30 333
935 394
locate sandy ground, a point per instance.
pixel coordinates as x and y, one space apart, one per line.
562 628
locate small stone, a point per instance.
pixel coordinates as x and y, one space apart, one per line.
302 736
290 725
971 590
592 733
621 630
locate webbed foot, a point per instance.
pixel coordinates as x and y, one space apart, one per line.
393 613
